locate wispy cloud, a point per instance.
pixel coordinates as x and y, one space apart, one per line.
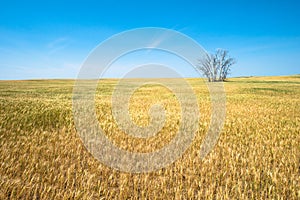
160 38
57 45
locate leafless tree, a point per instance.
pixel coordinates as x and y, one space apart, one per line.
216 67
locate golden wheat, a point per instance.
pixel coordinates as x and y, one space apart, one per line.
256 157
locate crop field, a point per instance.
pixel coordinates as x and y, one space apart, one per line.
257 155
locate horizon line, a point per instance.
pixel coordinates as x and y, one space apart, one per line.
111 78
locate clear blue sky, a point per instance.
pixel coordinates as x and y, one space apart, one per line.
52 39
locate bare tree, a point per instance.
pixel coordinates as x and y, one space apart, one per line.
216 67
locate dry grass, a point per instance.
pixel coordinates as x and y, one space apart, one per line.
257 155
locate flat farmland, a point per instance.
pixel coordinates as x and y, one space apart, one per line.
257 155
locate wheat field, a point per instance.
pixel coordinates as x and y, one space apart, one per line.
257 155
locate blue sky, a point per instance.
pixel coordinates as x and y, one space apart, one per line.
52 39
